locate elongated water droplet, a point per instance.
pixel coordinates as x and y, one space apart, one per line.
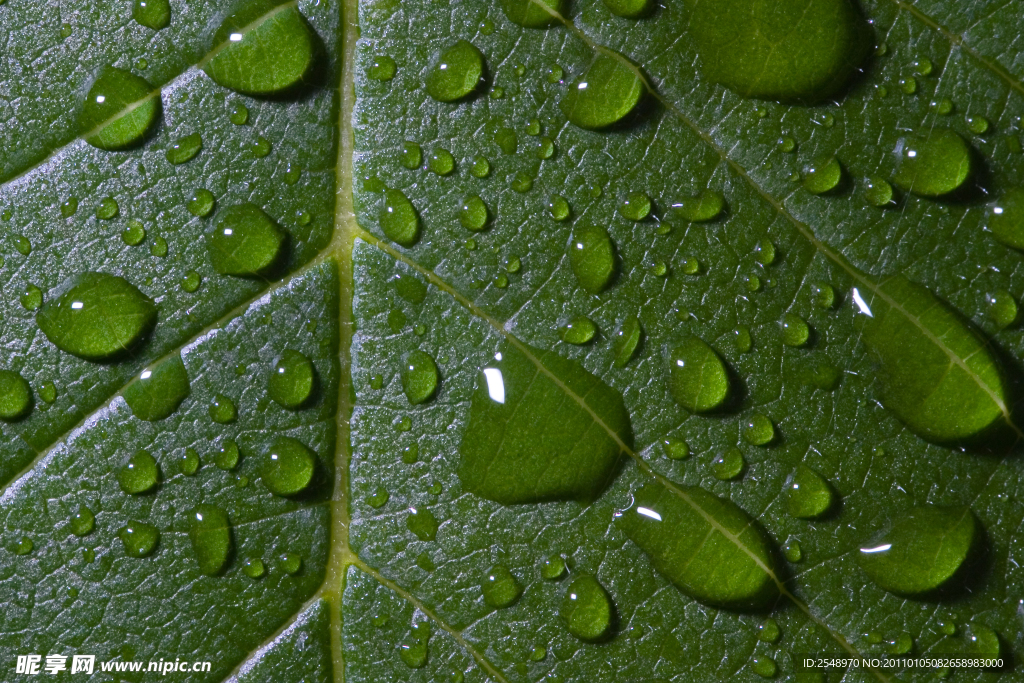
15 396
500 587
210 534
398 219
810 495
419 377
768 631
587 609
184 149
238 114
579 330
288 467
227 455
1002 308
118 110
82 522
626 340
934 164
139 538
698 380
415 648
291 379
592 257
532 13
188 463
245 241
605 94
706 206
456 73
764 666
411 156
158 391
69 208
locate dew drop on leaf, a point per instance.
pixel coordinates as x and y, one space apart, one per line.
253 567
134 233
532 13
630 9
457 72
764 666
587 609
900 645
810 496
481 168
792 551
379 498
675 449
222 409
410 288
31 298
382 68
795 331
786 144
933 164
119 109
473 214
605 94
728 464
140 474
500 587
1002 308
159 247
159 390
261 48
82 522
545 148
188 463
291 563
238 114
419 377
982 641
190 281
579 330
742 339
697 376
154 14
768 631
138 538
507 140
922 551
245 241
706 206
398 219
107 209
823 295
291 379
636 206
592 257
69 208
626 340
414 649
758 430
558 207
441 162
410 454
288 467
411 156
823 175
184 149
210 534
522 182
1006 220
553 568
977 124
422 523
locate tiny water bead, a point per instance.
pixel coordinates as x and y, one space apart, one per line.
15 396
1006 220
758 430
261 48
288 467
238 114
908 85
422 523
210 534
69 208
227 456
558 207
107 209
605 94
140 474
690 266
473 214
379 498
942 106
382 68
922 66
764 666
200 204
138 538
626 340
411 155
810 496
901 644
410 454
419 377
398 218
245 241
823 175
728 464
82 522
795 331
96 316
878 191
119 109
500 587
579 330
675 449
159 390
698 380
222 409
630 9
457 72
553 568
1002 308
154 14
188 463
636 206
481 167
592 257
587 609
253 568
706 206
184 149
934 164
415 648
977 124
768 631
290 382
441 162
923 550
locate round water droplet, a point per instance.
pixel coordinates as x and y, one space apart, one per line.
758 430
24 546
545 148
922 551
210 534
96 316
741 337
579 330
69 208
227 455
419 377
553 568
522 182
139 539
31 298
901 644
291 563
292 173
675 449
500 587
635 207
188 464
222 409
107 209
533 13
253 568
698 380
261 48
382 68
1006 220
592 257
118 110
764 253
261 147
810 496
457 72
977 124
786 144
608 91
630 9
922 66
1002 308
411 156
908 85
422 523
558 207
795 331
792 551
245 241
288 467
706 206
190 281
587 609
184 149
934 164
238 114
154 14
481 168
140 474
379 498
133 233
473 215
82 522
941 106
877 191
764 666
47 391
398 219
823 295
159 247
982 641
159 390
441 162
291 379
728 464
768 631
823 175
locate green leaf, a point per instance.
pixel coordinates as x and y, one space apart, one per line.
298 243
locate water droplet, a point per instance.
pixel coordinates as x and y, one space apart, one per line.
675 449
741 337
159 247
398 219
545 148
133 233
419 377
706 206
261 147
982 641
261 49
728 464
379 498
69 208
932 165
291 563
626 340
82 522
222 409
587 609
89 555
422 523
795 331
901 644
1006 219
140 474
107 209
138 538
253 568
786 144
768 631
592 257
292 173
411 156
698 380
605 94
185 149
154 14
635 207
554 74
764 666
977 124
908 85
159 390
410 453
190 281
245 241
290 382
706 545
457 72
947 628
481 168
941 106
792 551
188 463
288 467
47 391
823 175
500 587
414 649
758 430
396 320
513 264
922 551
1002 308
630 9
558 207
441 162
382 68
118 110
522 182
497 93
810 496
538 653
579 330
31 297
764 253
15 396
210 534
532 13
238 114
553 568
473 215
922 66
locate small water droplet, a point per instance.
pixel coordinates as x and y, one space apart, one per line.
419 377
474 214
238 113
411 156
592 257
698 380
190 281
636 206
184 149
398 218
792 551
500 587
158 391
441 162
481 168
222 409
934 164
69 207
382 68
795 331
675 449
977 124
579 330
741 337
810 496
823 175
138 538
31 297
706 206
140 474
188 463
422 523
379 498
729 464
253 567
456 73
758 430
414 649
1002 308
941 106
768 631
210 534
587 609
47 391
82 522
291 563
118 110
522 182
108 208
154 14
764 253
922 66
764 666
558 207
786 144
288 467
553 568
291 379
245 241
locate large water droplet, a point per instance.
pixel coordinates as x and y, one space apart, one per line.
154 14
419 377
15 396
414 648
291 379
245 241
922 551
261 48
118 110
823 175
500 587
473 215
579 330
210 533
288 467
810 495
706 206
398 219
592 257
139 539
934 164
698 379
605 94
532 13
587 609
457 72
158 391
